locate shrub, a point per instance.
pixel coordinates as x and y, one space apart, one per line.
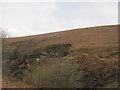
61 74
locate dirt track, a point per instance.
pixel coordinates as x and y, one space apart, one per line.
8 82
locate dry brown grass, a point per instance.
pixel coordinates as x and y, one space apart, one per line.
86 37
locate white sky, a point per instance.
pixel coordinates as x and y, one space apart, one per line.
29 18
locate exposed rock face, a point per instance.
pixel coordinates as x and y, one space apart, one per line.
38 56
55 50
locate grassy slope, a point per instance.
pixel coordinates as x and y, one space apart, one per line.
102 36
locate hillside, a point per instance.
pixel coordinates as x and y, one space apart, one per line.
94 37
82 58
86 37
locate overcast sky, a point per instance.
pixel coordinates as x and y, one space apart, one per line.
30 18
